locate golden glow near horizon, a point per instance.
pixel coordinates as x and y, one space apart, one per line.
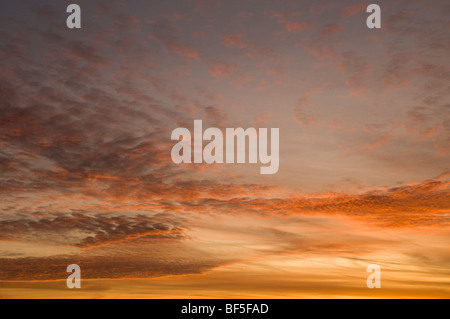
362 175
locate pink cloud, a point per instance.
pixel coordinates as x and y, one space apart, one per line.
220 69
353 9
241 16
291 21
184 50
166 35
236 41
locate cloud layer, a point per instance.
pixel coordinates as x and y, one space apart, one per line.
85 124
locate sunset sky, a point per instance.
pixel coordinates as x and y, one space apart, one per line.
87 178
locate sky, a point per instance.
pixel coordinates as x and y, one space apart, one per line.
86 117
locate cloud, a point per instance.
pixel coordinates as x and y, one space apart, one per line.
89 231
330 29
302 111
319 8
165 34
325 42
85 122
357 68
381 136
291 21
423 204
101 267
241 16
353 9
221 69
238 41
